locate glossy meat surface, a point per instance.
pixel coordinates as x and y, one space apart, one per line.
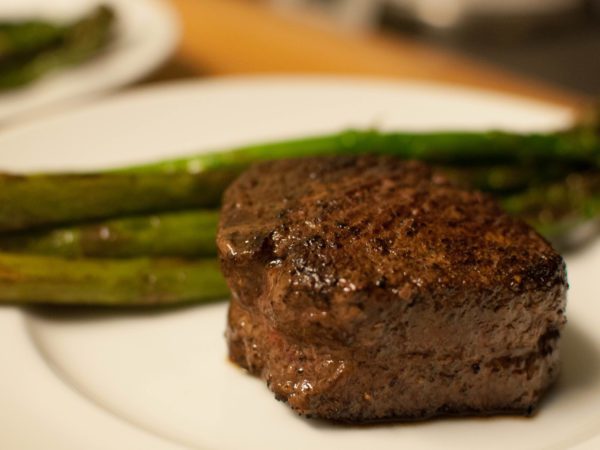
372 289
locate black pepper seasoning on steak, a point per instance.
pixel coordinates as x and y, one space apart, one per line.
368 288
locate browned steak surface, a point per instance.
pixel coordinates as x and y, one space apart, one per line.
373 289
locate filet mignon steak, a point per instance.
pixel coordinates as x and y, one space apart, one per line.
369 288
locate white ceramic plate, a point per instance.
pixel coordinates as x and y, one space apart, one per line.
147 33
160 379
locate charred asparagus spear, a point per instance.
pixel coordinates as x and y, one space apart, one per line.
47 200
575 148
185 234
125 282
555 208
32 201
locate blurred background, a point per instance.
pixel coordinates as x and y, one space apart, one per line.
542 49
553 40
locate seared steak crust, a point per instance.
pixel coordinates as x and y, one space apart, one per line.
367 288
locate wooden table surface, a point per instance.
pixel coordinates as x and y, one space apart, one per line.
223 37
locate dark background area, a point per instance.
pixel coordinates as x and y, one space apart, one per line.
560 46
562 49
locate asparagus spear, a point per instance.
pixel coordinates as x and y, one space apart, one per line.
578 147
555 208
169 234
198 181
44 200
28 279
34 49
504 180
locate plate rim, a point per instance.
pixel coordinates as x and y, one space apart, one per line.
165 87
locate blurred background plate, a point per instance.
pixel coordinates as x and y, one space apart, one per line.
147 33
159 379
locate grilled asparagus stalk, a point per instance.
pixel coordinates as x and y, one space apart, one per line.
30 201
26 279
34 201
184 234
